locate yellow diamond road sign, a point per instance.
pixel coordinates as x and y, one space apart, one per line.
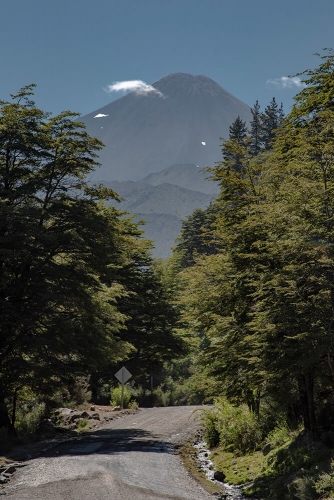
123 375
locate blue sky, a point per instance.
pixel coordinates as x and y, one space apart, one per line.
74 49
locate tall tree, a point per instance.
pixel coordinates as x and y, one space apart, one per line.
151 319
305 149
271 120
233 148
61 249
266 302
256 130
197 235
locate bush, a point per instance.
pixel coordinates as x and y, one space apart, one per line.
148 398
210 421
28 417
116 396
82 425
237 428
279 435
133 405
302 488
325 483
79 392
160 397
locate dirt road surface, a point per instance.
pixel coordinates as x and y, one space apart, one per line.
132 458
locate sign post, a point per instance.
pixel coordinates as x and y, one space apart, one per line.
123 375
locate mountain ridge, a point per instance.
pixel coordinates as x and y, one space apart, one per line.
188 176
163 205
157 146
146 133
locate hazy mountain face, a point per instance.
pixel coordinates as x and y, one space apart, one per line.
148 133
187 176
163 199
156 146
167 199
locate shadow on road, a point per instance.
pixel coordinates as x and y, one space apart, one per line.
101 441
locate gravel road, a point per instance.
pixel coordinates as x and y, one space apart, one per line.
131 458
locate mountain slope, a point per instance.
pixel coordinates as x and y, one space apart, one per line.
163 205
167 199
162 229
147 133
188 176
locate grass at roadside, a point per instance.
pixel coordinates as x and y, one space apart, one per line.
238 469
281 462
294 470
301 468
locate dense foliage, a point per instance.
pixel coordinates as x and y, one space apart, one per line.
77 293
264 301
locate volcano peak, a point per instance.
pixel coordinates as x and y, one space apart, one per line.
180 124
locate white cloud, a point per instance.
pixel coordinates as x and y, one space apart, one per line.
100 115
286 82
136 86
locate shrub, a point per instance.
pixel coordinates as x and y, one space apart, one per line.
82 425
302 488
147 398
160 397
28 417
116 396
279 435
79 392
210 421
133 405
236 426
325 483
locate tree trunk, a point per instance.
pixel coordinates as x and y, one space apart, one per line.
253 403
306 398
14 408
4 417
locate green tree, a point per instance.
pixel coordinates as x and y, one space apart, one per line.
61 249
216 296
265 302
233 148
280 241
197 235
302 288
151 320
256 130
271 120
